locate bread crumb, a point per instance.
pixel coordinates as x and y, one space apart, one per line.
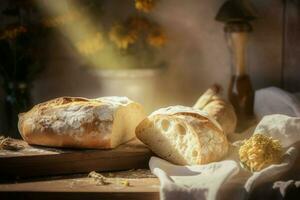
98 178
102 180
125 183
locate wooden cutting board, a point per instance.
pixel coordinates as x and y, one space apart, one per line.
44 161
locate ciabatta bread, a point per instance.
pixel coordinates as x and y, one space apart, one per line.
219 109
100 123
183 135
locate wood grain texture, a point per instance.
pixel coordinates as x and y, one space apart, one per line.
143 185
39 161
291 50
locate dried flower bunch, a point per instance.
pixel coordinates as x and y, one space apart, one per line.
145 5
139 27
259 152
127 33
157 38
122 36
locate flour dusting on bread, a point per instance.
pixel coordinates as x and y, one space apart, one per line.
81 119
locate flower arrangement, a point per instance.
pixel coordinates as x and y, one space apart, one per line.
145 5
139 36
136 40
126 34
22 42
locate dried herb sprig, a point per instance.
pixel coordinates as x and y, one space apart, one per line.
7 143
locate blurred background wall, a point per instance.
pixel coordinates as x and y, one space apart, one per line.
196 55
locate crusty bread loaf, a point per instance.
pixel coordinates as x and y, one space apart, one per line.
218 108
183 135
81 123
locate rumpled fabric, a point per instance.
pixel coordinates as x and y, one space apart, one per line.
273 100
191 182
285 186
280 127
208 181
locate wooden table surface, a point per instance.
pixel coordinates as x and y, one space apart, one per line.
142 185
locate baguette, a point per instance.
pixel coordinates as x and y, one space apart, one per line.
219 109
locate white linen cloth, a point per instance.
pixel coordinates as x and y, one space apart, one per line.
272 172
273 100
285 129
206 181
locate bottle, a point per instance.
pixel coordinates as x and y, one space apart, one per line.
240 92
236 15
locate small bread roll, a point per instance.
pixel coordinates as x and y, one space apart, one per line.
77 122
183 135
218 108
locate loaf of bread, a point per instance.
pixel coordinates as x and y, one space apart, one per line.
219 109
76 122
183 135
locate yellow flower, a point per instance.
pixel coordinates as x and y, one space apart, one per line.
90 46
260 151
157 38
127 33
61 20
12 33
144 5
122 37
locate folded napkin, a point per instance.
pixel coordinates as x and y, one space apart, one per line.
206 181
191 182
274 100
